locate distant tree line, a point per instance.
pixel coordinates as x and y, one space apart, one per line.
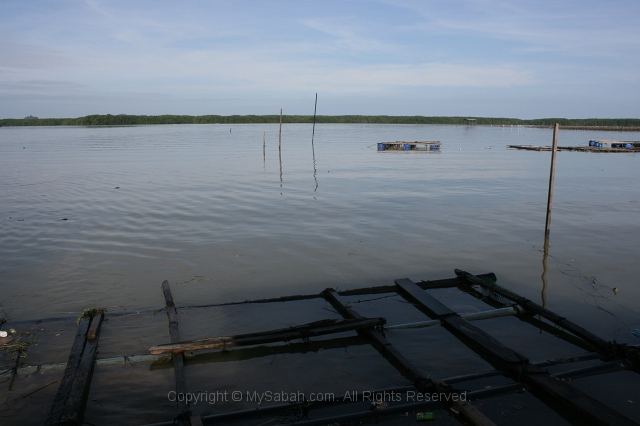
128 120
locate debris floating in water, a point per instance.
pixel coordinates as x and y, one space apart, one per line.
429 415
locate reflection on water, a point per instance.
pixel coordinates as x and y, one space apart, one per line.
545 254
315 172
543 292
313 149
280 159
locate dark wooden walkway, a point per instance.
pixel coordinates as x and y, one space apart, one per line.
573 405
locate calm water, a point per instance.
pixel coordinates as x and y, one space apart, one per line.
203 207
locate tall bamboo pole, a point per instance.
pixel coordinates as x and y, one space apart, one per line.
315 108
552 176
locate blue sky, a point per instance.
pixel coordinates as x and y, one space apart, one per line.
524 59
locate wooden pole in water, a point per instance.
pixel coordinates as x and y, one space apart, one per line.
280 136
315 108
552 176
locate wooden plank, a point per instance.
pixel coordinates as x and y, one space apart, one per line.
73 412
550 390
166 291
178 358
404 366
94 328
75 357
318 328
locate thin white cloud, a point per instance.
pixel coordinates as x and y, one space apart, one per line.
28 56
346 35
256 70
578 29
41 87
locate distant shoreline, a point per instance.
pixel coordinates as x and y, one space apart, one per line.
615 124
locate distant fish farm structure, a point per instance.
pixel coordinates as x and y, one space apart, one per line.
552 390
595 145
409 146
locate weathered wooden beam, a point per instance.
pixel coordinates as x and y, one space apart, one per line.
567 401
404 366
178 358
166 292
71 399
74 408
245 353
318 328
443 283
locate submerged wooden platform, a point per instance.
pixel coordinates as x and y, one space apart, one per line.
570 403
409 146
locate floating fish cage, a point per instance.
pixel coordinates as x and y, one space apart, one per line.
409 146
614 143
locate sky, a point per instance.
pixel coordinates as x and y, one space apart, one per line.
521 59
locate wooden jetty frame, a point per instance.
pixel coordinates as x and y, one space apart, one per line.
570 403
576 148
409 146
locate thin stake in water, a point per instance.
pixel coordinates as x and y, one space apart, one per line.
552 176
315 108
280 135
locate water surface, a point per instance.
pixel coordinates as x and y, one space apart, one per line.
101 216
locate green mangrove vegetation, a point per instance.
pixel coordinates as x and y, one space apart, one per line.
129 120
